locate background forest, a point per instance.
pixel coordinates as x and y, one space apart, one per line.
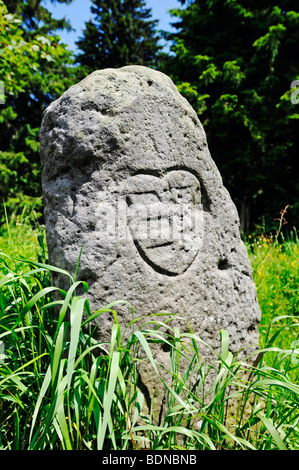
236 61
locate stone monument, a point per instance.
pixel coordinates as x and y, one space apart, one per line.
128 177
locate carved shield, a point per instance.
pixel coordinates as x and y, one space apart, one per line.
165 219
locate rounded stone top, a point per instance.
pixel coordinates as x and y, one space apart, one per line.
112 91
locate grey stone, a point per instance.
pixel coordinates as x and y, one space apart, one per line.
127 176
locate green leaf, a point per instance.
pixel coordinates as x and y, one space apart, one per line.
32 302
42 393
274 433
76 313
108 398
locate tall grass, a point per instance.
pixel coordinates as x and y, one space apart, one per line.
21 235
60 389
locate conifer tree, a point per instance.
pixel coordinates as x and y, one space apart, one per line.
235 61
120 33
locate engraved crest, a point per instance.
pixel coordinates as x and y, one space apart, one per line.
165 219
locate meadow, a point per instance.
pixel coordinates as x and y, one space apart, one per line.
60 389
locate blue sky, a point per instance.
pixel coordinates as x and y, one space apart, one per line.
79 12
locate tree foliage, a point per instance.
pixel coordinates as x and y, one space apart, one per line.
235 60
120 33
35 17
34 71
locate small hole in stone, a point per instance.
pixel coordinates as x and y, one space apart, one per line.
166 347
223 264
250 328
149 82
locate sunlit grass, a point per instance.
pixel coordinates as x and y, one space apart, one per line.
21 236
275 267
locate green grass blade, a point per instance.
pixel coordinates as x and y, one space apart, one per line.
279 383
17 371
147 349
57 353
67 302
276 437
61 417
42 393
108 397
46 267
7 278
224 344
91 391
105 309
32 302
139 335
76 314
16 330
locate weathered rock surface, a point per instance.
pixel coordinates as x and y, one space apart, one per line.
128 176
